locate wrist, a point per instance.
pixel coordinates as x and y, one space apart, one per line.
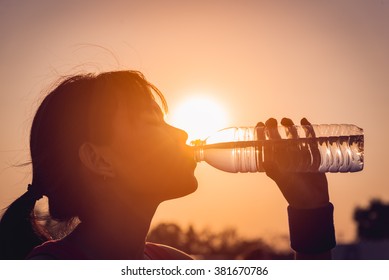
307 205
312 230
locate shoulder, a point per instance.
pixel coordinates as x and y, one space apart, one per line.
55 250
61 250
156 251
41 257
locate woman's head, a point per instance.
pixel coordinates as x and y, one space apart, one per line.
96 138
106 127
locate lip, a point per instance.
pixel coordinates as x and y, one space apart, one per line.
193 163
188 159
190 162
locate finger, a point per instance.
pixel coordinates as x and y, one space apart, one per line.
312 144
290 129
292 148
272 170
260 131
273 149
309 132
271 123
271 130
287 122
304 121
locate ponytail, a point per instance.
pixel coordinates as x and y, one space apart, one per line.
19 231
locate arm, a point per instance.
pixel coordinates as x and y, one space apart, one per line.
321 256
310 211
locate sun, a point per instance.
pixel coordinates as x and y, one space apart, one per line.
199 116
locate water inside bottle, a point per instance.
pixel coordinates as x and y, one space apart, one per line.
321 154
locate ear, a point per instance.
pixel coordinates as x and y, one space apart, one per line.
93 158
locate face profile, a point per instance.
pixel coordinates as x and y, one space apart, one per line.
149 157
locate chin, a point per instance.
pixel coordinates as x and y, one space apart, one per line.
183 189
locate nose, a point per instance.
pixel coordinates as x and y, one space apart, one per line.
182 136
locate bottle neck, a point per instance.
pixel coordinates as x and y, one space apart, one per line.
198 150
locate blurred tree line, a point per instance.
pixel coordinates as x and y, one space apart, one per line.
372 224
205 244
372 221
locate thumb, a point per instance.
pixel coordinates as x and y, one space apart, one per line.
271 170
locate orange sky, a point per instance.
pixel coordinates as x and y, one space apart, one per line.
328 63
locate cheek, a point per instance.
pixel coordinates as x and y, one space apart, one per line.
137 164
159 170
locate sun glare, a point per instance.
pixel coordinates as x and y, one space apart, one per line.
199 116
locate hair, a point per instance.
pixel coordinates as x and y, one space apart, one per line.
81 108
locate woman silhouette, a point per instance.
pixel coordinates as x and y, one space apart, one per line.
102 154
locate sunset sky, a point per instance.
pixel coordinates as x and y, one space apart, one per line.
251 59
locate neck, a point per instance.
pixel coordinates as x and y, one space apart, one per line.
118 232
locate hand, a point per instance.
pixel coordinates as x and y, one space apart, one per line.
302 190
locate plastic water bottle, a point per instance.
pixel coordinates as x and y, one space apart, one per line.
305 148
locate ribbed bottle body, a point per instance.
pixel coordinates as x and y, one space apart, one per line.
314 148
